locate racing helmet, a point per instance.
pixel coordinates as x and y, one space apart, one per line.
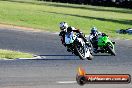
94 31
63 25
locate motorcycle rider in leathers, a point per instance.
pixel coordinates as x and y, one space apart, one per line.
94 38
64 29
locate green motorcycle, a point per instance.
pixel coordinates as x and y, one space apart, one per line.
106 45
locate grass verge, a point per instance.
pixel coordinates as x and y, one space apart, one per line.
9 54
47 15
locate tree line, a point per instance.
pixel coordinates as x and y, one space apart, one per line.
115 3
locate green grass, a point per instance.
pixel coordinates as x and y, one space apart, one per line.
9 54
47 15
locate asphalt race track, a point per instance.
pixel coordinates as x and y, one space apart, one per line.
57 68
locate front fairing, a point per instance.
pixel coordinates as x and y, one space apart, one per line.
103 40
69 38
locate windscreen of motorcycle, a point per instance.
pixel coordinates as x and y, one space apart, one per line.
69 38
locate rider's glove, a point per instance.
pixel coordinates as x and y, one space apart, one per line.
103 34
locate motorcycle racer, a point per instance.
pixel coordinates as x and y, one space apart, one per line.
68 29
94 35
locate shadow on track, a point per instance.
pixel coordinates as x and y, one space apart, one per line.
59 57
56 55
53 57
101 55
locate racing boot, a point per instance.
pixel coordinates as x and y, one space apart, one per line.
68 50
95 50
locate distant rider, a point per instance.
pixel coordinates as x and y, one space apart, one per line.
68 29
94 38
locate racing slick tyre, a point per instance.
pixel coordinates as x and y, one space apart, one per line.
112 51
90 57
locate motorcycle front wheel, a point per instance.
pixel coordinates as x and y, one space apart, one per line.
111 50
90 57
79 49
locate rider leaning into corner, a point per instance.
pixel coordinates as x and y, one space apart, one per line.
68 29
93 37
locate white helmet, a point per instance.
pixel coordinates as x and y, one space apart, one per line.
63 25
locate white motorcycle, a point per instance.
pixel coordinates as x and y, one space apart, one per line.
77 45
